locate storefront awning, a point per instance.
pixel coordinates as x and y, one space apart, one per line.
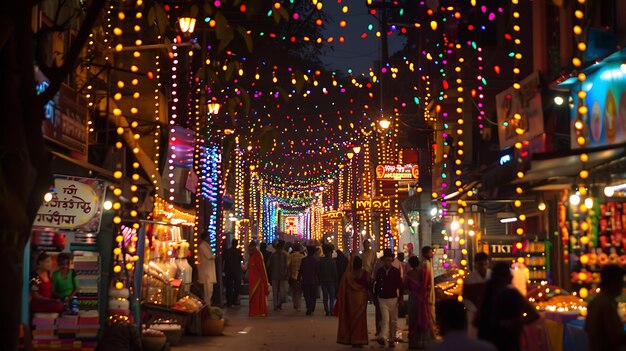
86 165
572 83
554 166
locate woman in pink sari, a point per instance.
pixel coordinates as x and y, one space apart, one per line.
257 283
418 282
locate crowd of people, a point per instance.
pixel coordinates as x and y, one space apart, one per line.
348 283
491 316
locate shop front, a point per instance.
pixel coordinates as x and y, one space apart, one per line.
172 301
64 261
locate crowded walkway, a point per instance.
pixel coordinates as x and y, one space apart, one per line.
281 330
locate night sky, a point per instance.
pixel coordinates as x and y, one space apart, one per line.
355 53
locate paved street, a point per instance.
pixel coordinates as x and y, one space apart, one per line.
282 330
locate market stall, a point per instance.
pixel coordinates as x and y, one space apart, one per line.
63 290
169 301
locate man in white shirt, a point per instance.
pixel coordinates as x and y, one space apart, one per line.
474 288
368 257
452 322
206 268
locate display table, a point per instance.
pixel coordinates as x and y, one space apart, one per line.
189 321
555 323
152 312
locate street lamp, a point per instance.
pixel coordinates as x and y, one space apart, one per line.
213 107
187 24
384 123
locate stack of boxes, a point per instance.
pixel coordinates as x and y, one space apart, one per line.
44 330
88 325
67 326
86 266
73 331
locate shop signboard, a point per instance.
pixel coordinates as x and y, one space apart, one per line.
397 172
375 204
76 204
605 121
501 247
520 111
333 215
291 224
65 121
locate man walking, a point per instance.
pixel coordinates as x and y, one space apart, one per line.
295 259
310 278
603 325
474 290
328 279
451 318
232 270
206 268
388 290
278 274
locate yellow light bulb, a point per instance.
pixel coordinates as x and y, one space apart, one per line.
584 174
584 157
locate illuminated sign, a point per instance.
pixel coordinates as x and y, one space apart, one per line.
291 224
604 122
333 215
378 204
397 172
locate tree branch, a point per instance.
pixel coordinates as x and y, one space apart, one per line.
69 63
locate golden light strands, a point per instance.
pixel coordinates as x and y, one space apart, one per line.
173 118
517 117
255 196
239 199
125 246
458 161
581 109
163 209
118 252
157 121
367 186
199 137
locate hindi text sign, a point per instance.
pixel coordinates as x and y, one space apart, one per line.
76 205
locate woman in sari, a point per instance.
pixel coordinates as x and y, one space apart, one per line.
352 304
257 283
421 317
